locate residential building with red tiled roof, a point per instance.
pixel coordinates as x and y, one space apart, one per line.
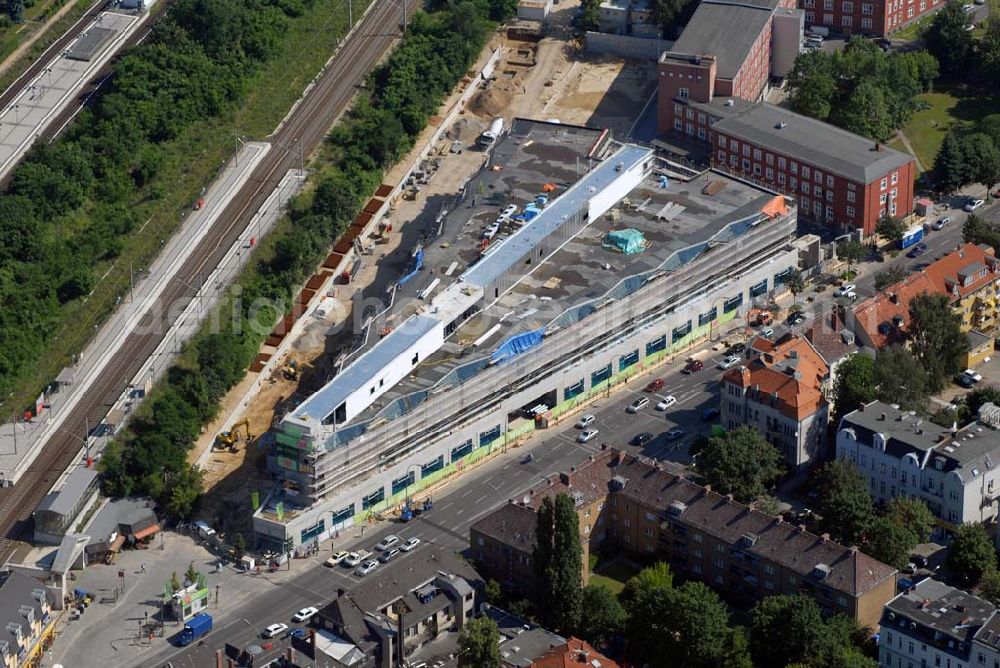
652 513
779 392
575 653
969 276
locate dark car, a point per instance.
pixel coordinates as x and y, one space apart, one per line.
300 632
709 414
965 381
692 366
655 385
642 439
883 43
736 348
797 318
917 251
389 555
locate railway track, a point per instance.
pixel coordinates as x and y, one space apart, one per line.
305 127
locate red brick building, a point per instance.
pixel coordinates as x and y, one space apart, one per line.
836 177
729 48
867 17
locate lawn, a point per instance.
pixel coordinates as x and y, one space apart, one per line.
947 107
612 573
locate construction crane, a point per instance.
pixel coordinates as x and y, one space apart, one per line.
229 439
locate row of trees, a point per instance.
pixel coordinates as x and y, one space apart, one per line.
961 55
967 157
687 625
861 89
70 205
151 457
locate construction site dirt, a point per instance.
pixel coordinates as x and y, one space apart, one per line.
547 79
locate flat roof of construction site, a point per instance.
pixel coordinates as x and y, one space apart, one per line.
678 223
497 262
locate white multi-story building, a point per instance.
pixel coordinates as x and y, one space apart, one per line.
933 624
614 264
954 471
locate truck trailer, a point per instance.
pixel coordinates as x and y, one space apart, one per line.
195 628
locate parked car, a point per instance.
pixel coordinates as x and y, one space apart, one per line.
637 405
693 366
941 222
337 557
655 385
971 373
304 614
767 332
845 290
797 318
917 251
353 559
389 555
508 211
643 438
387 542
366 568
973 205
965 381
728 362
587 435
666 402
274 630
585 421
709 414
736 349
675 434
300 633
409 544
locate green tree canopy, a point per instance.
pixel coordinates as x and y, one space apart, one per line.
984 157
846 505
740 462
971 554
479 644
900 377
890 228
558 562
936 338
889 542
657 576
602 617
852 251
795 282
889 276
854 385
952 164
913 514
866 112
948 39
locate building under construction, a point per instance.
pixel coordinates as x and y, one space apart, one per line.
568 263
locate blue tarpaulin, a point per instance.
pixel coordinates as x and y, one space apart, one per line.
418 262
517 344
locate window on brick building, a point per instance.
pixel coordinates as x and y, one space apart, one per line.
679 124
793 183
804 204
805 188
866 8
701 118
829 180
756 169
781 162
746 150
733 160
828 19
847 7
805 171
882 198
690 114
810 16
746 165
895 178
846 21
769 174
829 195
682 93
866 24
690 129
701 133
817 191
817 209
884 184
781 178
828 5
722 141
850 212
770 159
829 212
722 157
756 154
818 176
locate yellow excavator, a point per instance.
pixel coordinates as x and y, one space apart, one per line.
230 439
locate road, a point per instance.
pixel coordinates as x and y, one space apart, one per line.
306 127
480 491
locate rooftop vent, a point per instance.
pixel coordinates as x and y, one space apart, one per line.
748 539
730 103
780 125
618 483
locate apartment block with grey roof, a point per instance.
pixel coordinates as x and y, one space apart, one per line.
638 507
954 471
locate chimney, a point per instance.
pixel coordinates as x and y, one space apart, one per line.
618 458
340 592
882 417
893 297
801 528
824 537
706 489
729 498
